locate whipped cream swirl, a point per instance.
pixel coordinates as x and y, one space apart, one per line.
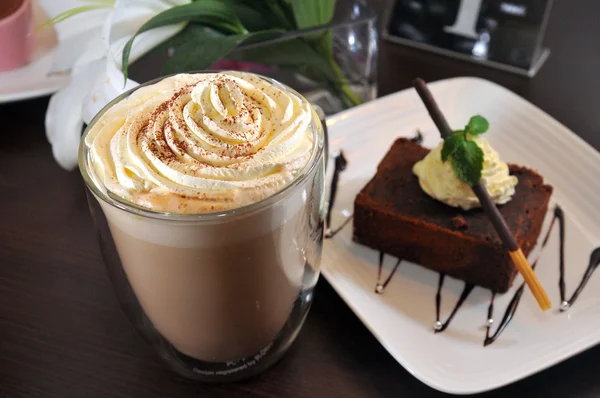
439 181
202 143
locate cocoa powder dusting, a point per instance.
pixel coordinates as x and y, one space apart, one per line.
159 146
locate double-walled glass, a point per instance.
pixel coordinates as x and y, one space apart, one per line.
219 296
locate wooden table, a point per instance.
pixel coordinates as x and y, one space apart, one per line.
62 333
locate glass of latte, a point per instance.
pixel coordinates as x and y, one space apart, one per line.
207 193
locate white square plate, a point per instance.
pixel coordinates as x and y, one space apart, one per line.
402 318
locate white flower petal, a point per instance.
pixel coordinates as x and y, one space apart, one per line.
63 117
75 35
77 24
94 51
125 22
69 50
106 87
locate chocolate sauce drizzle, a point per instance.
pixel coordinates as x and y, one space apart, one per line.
592 265
439 326
330 233
417 138
508 315
490 314
380 287
340 164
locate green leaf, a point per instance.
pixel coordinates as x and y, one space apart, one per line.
452 143
310 13
296 54
286 11
251 17
477 125
467 162
213 13
283 15
201 48
202 54
261 15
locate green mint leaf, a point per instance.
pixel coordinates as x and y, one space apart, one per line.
477 125
451 143
467 162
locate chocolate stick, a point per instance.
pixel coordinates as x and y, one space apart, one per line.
488 205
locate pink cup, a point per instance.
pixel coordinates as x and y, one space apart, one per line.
15 39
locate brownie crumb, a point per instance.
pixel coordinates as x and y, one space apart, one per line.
459 222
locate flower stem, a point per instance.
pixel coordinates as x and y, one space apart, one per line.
344 92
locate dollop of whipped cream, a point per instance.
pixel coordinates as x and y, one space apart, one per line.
202 143
439 181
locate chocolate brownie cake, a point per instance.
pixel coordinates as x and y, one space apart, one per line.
394 215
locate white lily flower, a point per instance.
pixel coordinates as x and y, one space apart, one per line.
96 76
